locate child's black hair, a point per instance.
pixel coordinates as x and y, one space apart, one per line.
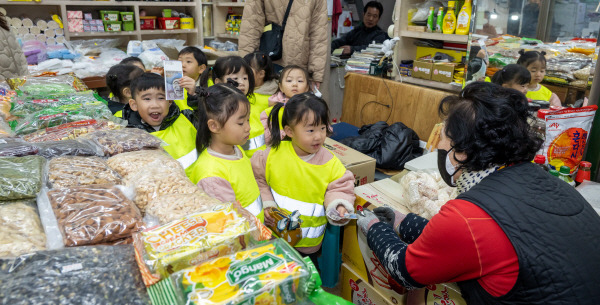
219 102
512 73
289 68
145 82
259 61
119 77
228 65
529 57
132 60
198 55
304 107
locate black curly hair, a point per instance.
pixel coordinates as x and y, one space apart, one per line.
488 123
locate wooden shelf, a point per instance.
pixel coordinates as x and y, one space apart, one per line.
103 34
231 4
164 3
228 36
180 31
436 36
430 83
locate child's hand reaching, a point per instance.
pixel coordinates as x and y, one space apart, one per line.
269 221
189 84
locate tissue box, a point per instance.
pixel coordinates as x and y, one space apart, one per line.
94 28
86 23
100 28
99 23
87 16
75 25
74 15
87 28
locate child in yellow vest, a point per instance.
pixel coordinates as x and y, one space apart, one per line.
299 174
265 81
194 63
118 80
513 76
535 63
292 80
148 109
222 169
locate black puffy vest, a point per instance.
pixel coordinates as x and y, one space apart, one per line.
555 233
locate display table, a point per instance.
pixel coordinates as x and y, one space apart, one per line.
369 99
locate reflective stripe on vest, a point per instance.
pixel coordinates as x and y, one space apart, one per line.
254 143
255 207
181 140
311 227
189 159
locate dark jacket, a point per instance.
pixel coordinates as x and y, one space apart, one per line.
134 120
360 38
113 106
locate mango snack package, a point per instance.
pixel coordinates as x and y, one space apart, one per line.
219 230
271 273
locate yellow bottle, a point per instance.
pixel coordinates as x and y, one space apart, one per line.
449 19
464 19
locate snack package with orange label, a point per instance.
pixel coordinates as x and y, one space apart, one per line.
567 131
219 230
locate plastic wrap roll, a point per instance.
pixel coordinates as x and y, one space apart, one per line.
34 30
16 22
49 33
51 41
53 25
60 39
28 37
42 24
59 31
27 23
41 38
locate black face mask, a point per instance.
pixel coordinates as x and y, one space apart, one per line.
444 166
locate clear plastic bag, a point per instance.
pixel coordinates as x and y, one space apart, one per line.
99 275
68 171
120 141
74 130
25 105
5 130
22 231
51 149
130 163
47 85
273 273
94 214
219 231
171 207
157 180
20 177
16 147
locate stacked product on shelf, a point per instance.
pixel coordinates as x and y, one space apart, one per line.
232 24
48 32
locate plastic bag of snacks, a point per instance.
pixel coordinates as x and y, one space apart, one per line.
55 116
567 132
73 130
167 208
71 171
51 149
21 230
128 139
16 147
47 85
5 130
81 275
20 177
94 214
130 163
272 273
197 237
158 179
23 106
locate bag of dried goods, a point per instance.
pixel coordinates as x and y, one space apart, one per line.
51 149
130 163
94 214
24 105
5 130
119 141
16 147
105 275
426 192
73 130
567 132
20 177
166 208
47 85
20 229
69 171
190 240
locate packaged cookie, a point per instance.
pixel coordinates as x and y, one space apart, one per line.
68 171
119 141
20 228
73 130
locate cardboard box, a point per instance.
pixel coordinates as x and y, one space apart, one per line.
361 165
358 291
430 53
87 16
87 28
443 72
74 14
75 25
422 69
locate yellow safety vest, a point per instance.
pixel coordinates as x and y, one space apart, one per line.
239 174
542 94
119 114
181 140
258 104
299 185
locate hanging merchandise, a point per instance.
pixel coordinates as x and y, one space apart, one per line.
431 20
449 19
464 19
344 23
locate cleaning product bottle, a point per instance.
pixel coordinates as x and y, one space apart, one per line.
449 19
440 20
464 19
431 20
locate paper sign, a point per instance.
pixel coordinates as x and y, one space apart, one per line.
173 74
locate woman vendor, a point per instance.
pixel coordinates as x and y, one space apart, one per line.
514 235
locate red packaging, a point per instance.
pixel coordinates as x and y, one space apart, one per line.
148 23
171 23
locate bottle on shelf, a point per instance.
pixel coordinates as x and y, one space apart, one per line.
464 19
554 173
449 19
565 175
440 20
431 20
584 172
540 160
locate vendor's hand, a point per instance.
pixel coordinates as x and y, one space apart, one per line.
347 50
189 84
365 222
269 221
390 216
